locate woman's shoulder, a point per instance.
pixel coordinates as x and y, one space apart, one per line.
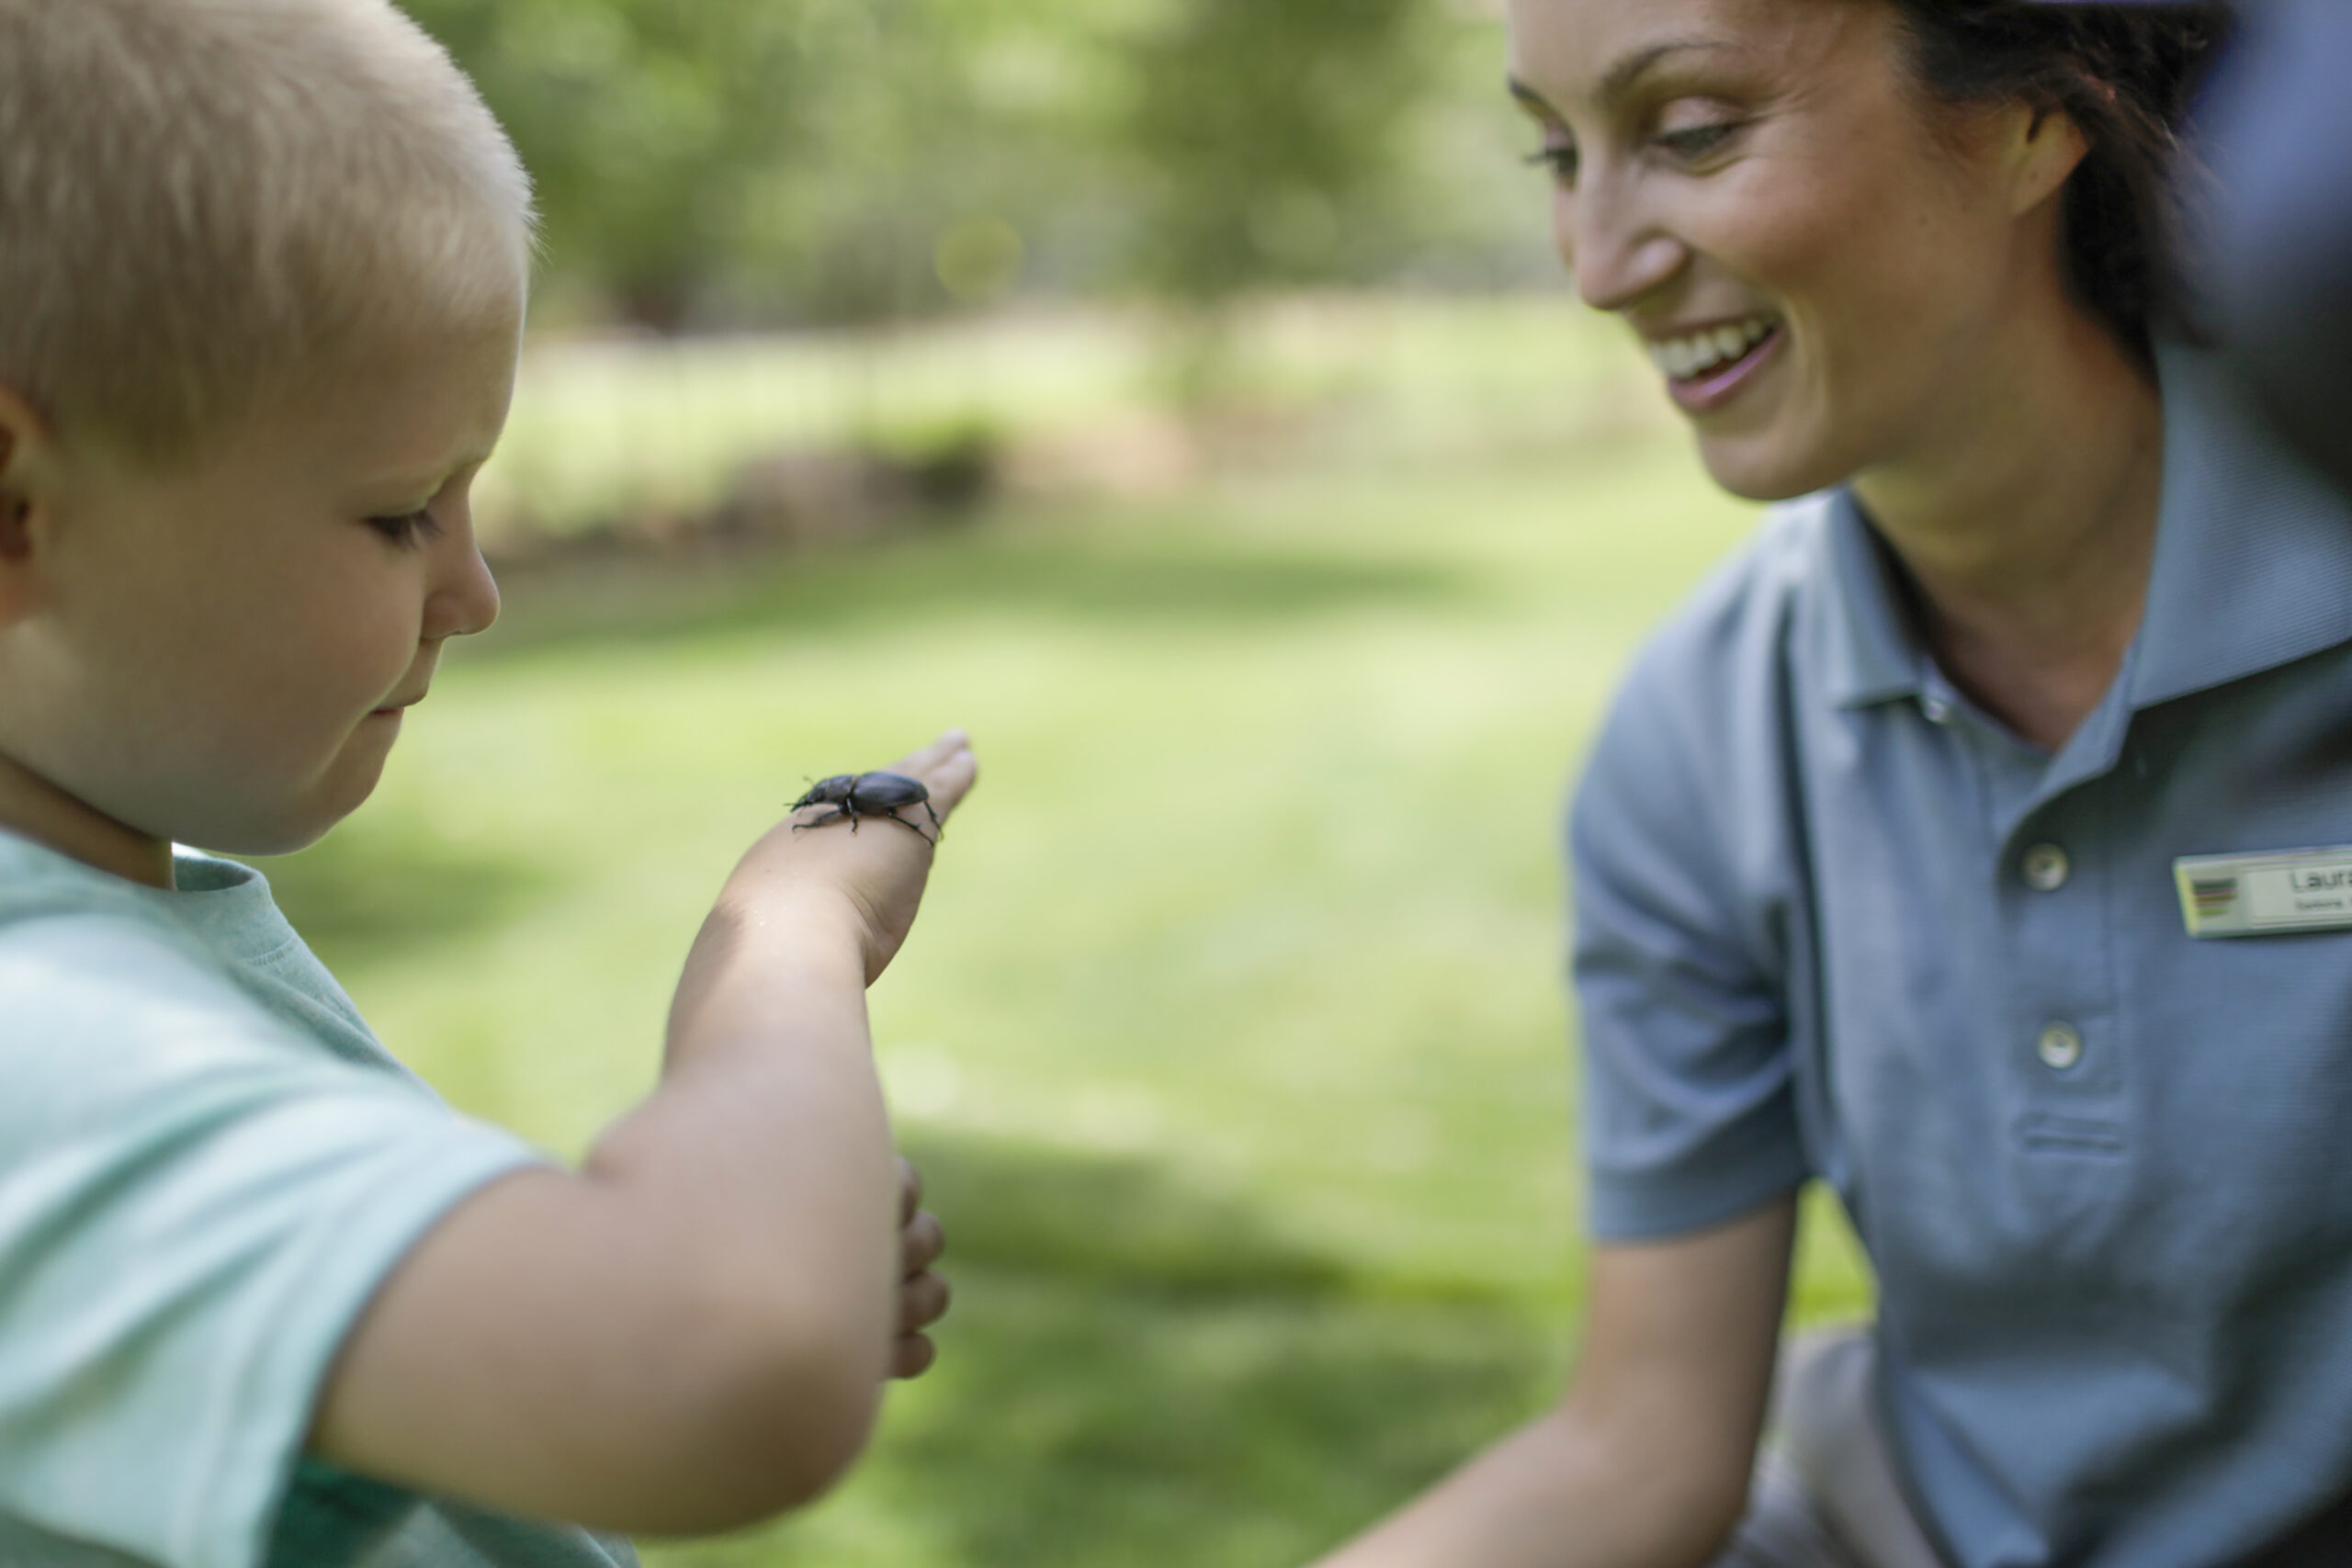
1699 726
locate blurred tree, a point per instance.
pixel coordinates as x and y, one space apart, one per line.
942 140
646 123
806 159
1270 140
1270 147
836 161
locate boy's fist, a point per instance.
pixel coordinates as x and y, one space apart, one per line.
922 1295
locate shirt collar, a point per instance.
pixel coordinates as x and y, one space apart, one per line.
2253 566
1869 652
2253 551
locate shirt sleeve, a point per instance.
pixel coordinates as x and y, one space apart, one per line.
196 1204
1688 1107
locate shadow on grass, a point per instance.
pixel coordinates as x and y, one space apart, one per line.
377 889
1069 577
1137 1371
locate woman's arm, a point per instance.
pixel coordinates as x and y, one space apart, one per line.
1644 1464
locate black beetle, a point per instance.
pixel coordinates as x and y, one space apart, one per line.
859 795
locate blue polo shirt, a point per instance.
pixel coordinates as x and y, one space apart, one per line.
1833 921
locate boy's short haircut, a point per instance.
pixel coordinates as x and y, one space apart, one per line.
209 205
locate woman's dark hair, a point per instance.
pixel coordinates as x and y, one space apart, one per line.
2126 75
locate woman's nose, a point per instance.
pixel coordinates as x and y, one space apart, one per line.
1616 251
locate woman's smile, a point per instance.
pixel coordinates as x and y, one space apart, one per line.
1706 366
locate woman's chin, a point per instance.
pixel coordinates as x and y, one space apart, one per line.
1754 469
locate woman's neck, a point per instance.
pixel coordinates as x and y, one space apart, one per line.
2029 525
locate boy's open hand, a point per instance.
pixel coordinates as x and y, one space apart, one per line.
879 870
922 1295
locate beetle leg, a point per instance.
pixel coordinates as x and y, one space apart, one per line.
850 811
914 827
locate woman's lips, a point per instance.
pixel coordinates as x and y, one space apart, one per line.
1710 389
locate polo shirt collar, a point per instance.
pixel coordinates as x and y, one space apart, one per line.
1869 653
2253 566
2253 549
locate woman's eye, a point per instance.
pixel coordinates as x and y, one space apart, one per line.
409 528
1561 160
1696 141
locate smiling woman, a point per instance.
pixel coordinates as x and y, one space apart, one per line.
1826 263
1899 864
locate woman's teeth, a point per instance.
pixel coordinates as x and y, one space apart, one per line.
1684 357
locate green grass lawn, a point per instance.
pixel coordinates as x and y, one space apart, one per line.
1232 1039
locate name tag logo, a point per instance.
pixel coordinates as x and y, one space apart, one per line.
2291 890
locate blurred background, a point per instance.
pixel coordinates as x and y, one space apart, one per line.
1181 396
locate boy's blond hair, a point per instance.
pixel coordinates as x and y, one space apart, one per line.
207 205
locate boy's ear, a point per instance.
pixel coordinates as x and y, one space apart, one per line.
16 537
25 446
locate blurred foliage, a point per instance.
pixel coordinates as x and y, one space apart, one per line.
1270 139
802 161
649 126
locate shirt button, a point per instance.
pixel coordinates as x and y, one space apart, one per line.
2046 868
1938 710
2061 1046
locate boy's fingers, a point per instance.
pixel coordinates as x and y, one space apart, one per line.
913 1357
951 781
931 756
947 767
930 759
923 1300
920 1242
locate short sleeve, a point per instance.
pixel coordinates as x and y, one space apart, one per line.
1689 1106
195 1204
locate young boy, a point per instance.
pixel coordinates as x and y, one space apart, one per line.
263 1298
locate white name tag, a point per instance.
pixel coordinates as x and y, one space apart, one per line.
2291 890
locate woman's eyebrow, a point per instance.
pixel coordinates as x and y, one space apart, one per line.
1621 78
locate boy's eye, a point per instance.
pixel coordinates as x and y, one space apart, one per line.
409 528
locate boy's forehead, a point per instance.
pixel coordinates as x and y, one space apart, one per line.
407 413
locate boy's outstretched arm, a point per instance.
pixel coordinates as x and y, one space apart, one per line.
692 1333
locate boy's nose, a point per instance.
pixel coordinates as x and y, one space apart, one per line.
464 599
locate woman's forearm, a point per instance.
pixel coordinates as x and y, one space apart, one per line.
1646 1463
1557 1494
